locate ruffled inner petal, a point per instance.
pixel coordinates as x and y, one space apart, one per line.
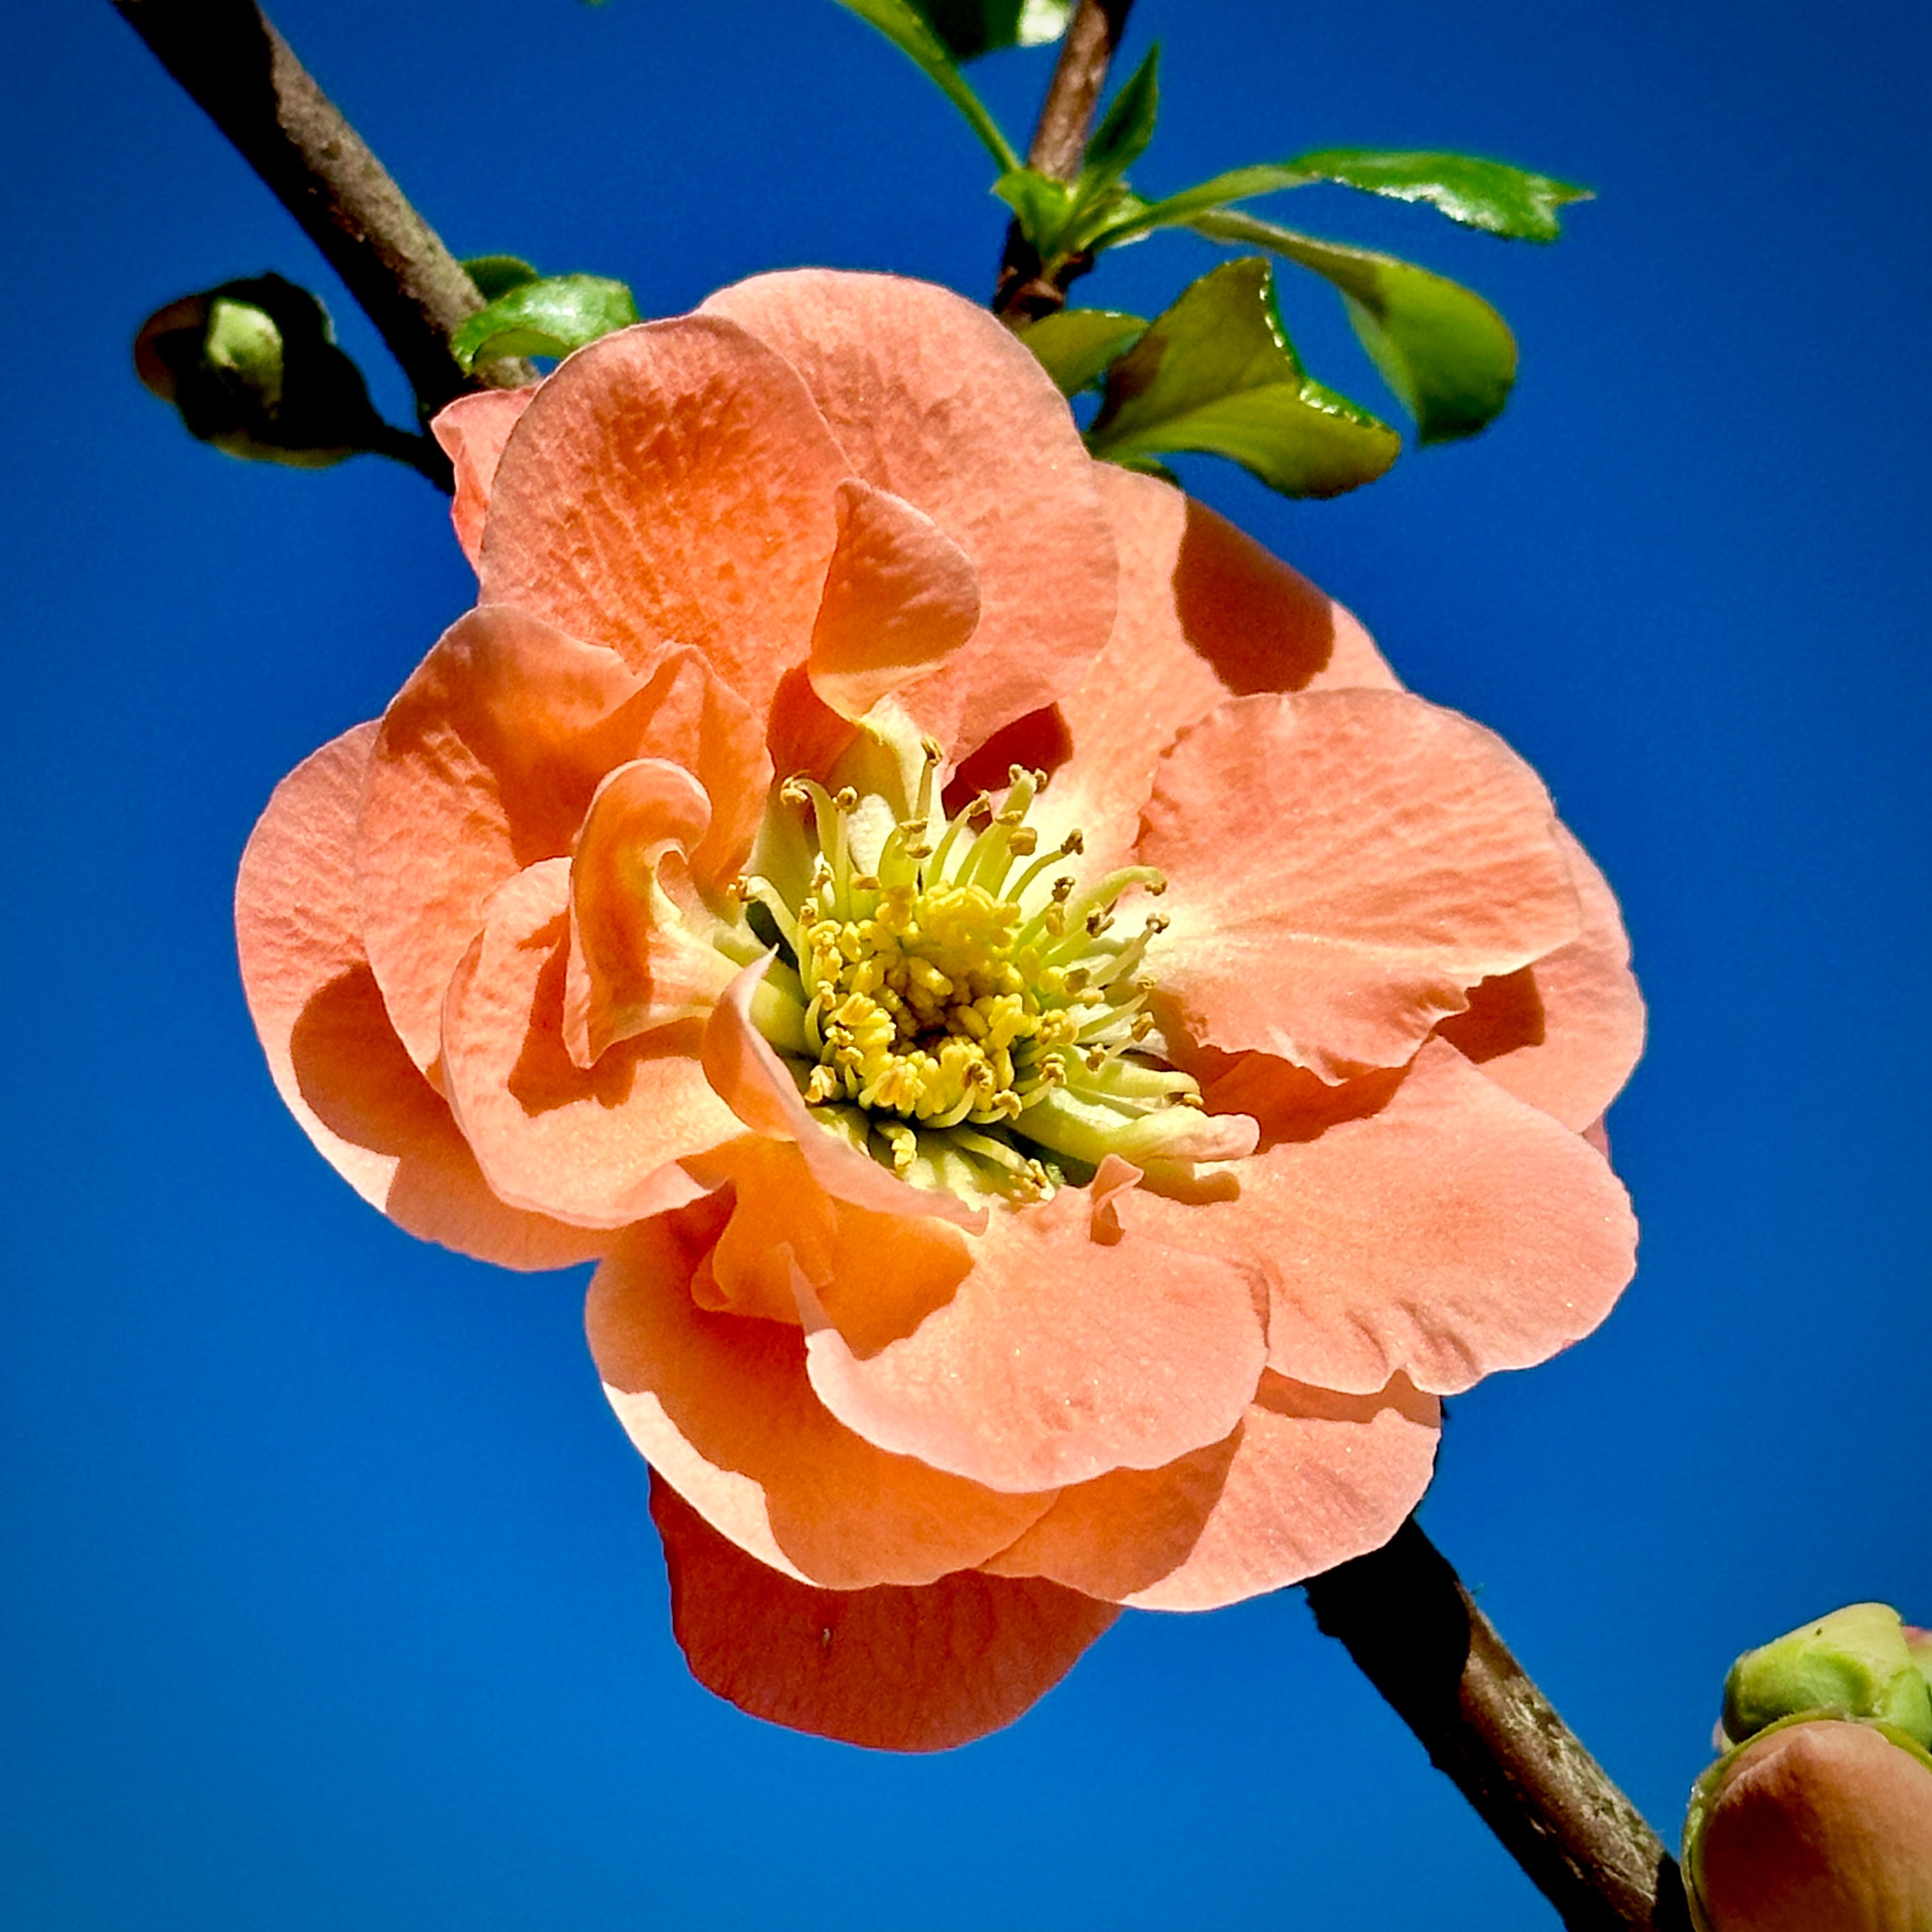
719 1402
1308 1480
671 485
486 762
598 1146
334 1057
1079 1342
893 1668
901 598
1344 865
932 399
640 950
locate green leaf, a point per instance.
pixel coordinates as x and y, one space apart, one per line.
1128 126
550 317
1075 346
1215 373
1442 349
909 31
496 275
1043 206
1177 211
968 29
1489 195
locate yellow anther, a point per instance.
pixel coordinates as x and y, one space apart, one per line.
846 798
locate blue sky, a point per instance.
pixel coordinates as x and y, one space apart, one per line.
329 1597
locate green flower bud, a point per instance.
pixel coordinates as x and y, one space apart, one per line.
1816 1825
1919 1642
252 367
1855 1664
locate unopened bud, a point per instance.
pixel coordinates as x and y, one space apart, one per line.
1855 1662
252 367
1816 1824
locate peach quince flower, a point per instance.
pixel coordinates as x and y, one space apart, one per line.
1062 1062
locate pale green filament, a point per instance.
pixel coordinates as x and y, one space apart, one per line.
967 1018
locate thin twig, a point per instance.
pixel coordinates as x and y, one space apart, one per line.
1406 1619
226 54
1025 291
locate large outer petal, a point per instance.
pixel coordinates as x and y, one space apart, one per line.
933 400
721 1404
1434 1225
488 759
671 485
895 1669
598 1146
1564 1033
1343 865
334 1057
1308 1480
1205 613
1078 1343
472 431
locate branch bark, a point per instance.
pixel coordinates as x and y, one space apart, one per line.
226 55
1024 291
1403 1615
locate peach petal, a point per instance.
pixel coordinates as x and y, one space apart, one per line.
1205 613
875 1276
1453 1231
893 1668
487 762
1308 1480
933 400
900 598
1078 1343
334 1057
636 962
689 715
472 431
671 485
1344 864
755 1084
706 1396
598 1146
1564 1033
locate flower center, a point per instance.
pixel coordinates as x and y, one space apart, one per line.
969 1015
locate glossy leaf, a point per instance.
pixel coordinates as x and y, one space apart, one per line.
1075 347
968 29
1442 349
1127 126
549 317
1177 211
915 36
1489 195
1217 374
496 275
